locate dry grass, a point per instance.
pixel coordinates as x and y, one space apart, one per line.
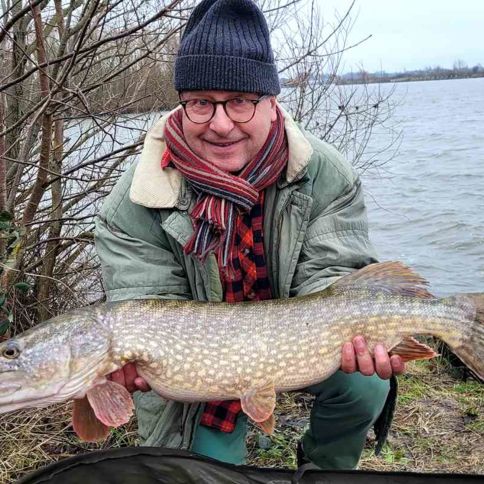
34 438
439 427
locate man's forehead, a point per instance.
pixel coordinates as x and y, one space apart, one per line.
216 95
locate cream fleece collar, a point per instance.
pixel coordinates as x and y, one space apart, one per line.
153 187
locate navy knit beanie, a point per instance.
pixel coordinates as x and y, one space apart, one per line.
226 47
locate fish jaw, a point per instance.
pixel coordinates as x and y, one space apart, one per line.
8 385
14 397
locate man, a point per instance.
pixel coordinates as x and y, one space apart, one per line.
232 201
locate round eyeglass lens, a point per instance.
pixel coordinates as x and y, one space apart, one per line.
199 110
240 110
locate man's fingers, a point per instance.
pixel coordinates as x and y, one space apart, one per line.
355 356
383 366
398 366
348 358
141 384
118 377
363 357
130 374
128 377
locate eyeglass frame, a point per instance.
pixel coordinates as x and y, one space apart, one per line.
255 102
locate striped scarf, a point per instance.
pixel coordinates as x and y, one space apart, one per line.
221 196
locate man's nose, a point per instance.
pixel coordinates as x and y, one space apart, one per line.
221 123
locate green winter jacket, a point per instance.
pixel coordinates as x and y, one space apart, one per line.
315 230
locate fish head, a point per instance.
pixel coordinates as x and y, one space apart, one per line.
52 362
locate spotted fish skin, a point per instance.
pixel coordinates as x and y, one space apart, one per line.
198 351
212 351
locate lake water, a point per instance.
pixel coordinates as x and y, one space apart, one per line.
426 206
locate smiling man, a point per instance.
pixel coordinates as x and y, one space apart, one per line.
229 137
232 201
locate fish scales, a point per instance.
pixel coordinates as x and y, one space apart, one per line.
195 351
259 340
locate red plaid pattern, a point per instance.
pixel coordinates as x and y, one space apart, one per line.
248 282
221 415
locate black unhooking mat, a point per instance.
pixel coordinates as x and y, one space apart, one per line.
150 465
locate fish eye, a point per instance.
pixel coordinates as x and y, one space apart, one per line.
11 351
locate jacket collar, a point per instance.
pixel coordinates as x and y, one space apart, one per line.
153 187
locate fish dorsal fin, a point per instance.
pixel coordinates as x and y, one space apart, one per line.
86 424
411 349
111 403
384 277
259 404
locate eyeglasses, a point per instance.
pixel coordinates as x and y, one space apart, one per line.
238 109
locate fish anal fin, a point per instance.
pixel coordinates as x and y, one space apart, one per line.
411 349
86 424
259 403
111 403
384 277
268 425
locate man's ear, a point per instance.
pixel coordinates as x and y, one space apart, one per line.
273 102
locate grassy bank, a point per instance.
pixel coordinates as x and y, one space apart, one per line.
438 427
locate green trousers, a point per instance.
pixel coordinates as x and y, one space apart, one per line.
345 408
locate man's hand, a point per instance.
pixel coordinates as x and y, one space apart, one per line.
129 378
356 357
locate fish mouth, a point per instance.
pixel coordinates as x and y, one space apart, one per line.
10 382
21 398
9 388
17 393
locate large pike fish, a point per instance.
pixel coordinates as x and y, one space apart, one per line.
196 351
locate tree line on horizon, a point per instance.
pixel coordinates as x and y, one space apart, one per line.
460 70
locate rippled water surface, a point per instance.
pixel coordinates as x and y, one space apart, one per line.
426 206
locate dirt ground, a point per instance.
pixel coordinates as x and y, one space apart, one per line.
438 427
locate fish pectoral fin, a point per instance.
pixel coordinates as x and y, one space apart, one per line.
86 424
111 403
411 349
259 403
267 425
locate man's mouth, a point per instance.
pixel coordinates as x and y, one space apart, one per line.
225 144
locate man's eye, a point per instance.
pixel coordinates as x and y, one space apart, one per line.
238 101
198 103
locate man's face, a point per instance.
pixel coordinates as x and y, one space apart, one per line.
225 143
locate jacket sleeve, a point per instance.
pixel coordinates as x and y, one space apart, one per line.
336 241
134 251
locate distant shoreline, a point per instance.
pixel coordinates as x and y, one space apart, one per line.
407 78
372 78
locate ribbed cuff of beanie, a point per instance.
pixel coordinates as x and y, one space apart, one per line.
225 73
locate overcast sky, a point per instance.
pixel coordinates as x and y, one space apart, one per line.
412 34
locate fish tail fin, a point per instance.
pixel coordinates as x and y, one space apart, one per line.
470 347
